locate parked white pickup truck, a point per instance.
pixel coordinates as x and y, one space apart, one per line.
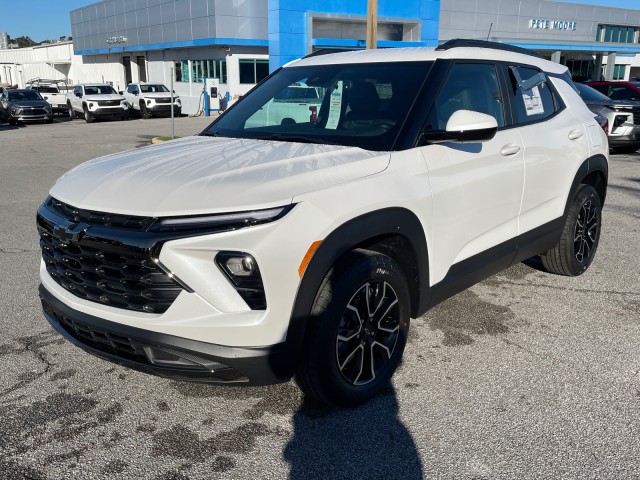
296 103
53 91
96 100
151 99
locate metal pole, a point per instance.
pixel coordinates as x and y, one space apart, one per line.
372 23
173 122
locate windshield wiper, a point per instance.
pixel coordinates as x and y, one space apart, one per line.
293 138
207 133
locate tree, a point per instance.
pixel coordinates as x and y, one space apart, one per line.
24 41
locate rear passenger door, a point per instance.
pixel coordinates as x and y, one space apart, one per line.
552 137
476 187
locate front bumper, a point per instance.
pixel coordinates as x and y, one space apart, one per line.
30 118
166 355
164 108
109 112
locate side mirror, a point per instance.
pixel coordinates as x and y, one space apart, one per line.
465 126
79 94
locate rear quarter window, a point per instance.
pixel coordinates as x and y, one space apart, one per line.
535 104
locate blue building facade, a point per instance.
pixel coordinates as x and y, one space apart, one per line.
297 27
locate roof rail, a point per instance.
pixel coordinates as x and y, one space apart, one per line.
462 42
327 51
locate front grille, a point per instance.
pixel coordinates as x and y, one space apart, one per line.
101 219
636 118
33 111
103 270
108 103
163 100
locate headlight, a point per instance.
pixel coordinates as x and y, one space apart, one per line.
149 102
47 109
15 111
123 103
177 100
220 222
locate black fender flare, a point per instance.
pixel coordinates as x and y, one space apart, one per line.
350 235
595 164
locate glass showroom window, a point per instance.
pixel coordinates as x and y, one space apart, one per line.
617 34
619 72
202 69
253 70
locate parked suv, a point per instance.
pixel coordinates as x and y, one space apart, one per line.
24 105
95 100
251 254
623 118
152 99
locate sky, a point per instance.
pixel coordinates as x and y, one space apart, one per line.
49 19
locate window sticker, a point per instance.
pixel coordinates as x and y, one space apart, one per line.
533 102
335 107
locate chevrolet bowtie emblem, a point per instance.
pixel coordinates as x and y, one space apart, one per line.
70 232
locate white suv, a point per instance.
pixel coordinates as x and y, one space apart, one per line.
96 100
251 254
152 99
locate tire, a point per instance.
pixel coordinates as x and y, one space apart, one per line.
71 112
124 116
87 115
626 149
578 243
49 120
350 354
144 111
12 121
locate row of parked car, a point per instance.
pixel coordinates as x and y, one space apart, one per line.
617 105
44 98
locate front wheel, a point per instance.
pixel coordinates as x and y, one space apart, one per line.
87 115
71 111
357 330
577 246
144 111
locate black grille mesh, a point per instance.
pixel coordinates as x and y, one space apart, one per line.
163 100
636 118
104 271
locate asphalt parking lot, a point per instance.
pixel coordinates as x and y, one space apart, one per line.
524 376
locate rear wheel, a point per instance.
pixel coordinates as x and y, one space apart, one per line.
577 246
357 331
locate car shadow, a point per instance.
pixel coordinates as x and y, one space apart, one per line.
365 442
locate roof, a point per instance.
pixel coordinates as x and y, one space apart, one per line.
417 54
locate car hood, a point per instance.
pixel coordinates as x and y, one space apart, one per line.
27 103
158 95
198 175
105 96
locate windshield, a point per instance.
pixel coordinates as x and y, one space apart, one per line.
20 95
153 88
98 90
362 105
589 94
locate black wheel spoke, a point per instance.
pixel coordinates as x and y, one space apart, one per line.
585 233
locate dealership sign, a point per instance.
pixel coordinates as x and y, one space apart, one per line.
120 39
545 24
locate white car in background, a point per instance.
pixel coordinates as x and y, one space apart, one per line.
152 99
96 100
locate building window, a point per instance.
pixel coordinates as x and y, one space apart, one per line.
201 69
619 72
617 34
253 70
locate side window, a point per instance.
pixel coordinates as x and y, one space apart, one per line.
530 105
620 92
469 86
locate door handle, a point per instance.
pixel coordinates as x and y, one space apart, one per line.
575 134
510 149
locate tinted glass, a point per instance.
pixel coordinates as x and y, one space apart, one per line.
99 90
19 95
589 94
361 105
153 88
534 104
469 86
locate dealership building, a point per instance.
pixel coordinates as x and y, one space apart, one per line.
238 42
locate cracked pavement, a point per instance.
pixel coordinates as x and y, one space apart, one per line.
526 375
